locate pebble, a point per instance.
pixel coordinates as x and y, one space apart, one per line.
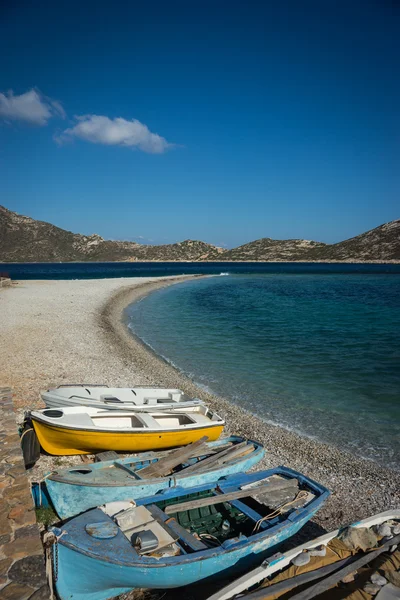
80 322
371 588
318 551
378 579
396 530
301 559
384 530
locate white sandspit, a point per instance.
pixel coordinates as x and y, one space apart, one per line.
50 334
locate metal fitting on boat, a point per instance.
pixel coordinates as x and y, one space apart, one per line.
144 541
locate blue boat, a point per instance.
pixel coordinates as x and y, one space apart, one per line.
182 536
76 489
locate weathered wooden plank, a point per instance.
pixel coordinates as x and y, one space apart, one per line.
103 456
221 497
276 499
165 465
216 458
177 529
235 453
219 462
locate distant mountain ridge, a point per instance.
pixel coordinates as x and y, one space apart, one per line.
267 249
23 239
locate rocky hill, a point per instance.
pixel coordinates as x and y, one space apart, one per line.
379 244
267 249
23 239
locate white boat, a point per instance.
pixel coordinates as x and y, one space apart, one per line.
136 398
278 562
86 430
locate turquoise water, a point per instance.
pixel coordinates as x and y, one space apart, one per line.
318 354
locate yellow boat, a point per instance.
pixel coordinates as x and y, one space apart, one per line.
86 430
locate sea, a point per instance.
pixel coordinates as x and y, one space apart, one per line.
314 348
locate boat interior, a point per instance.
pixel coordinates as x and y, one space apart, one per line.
82 417
173 524
190 460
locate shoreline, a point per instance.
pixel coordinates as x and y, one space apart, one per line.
390 261
359 486
64 331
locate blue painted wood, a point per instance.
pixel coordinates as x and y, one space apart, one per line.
102 530
75 490
40 495
100 570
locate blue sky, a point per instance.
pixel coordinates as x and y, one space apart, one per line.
220 121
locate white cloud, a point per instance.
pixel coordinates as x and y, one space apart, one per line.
32 107
99 129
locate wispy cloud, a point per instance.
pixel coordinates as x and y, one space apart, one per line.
32 107
99 129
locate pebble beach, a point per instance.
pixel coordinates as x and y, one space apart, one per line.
57 332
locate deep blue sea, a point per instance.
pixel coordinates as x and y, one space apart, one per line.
314 352
96 270
312 347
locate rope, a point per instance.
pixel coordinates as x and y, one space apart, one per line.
49 540
26 431
40 486
300 496
210 537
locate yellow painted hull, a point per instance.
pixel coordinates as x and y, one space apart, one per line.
67 441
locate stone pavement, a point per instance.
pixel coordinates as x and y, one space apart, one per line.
22 566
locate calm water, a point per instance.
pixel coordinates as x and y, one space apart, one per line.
98 270
316 353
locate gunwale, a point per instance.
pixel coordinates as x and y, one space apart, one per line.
132 430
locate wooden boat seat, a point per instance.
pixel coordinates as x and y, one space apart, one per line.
148 421
138 519
81 419
199 418
132 518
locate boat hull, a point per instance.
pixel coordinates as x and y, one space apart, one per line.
97 569
103 580
53 401
62 441
137 399
70 499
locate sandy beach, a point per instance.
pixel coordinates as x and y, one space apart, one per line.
55 332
